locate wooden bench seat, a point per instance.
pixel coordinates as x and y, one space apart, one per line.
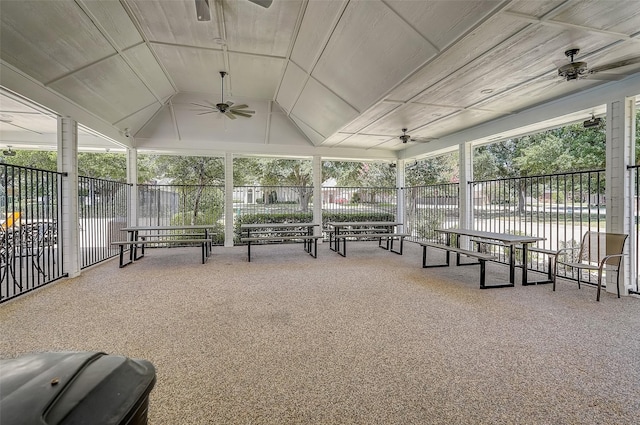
310 241
482 259
389 238
133 245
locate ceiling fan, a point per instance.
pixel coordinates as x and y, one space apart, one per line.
579 70
203 11
9 152
227 108
406 138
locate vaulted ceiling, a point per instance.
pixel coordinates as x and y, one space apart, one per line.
333 77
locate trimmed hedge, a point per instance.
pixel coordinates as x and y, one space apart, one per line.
264 218
307 217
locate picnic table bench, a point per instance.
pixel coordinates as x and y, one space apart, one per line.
266 233
482 257
550 253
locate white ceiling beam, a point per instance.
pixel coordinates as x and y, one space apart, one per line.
169 147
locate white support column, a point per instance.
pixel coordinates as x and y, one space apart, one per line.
401 210
317 193
228 200
465 202
620 152
132 179
68 164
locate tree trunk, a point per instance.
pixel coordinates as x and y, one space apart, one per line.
196 203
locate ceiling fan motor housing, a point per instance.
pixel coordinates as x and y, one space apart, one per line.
573 70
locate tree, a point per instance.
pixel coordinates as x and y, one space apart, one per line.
436 170
42 160
192 170
351 173
292 172
108 166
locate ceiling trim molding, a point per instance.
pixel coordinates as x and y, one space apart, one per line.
169 147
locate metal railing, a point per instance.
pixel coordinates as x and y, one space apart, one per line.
635 236
102 211
358 204
431 207
264 204
557 207
167 205
29 251
272 199
360 200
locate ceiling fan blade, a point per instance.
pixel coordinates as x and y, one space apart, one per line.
202 106
230 115
422 140
202 10
263 3
229 103
205 113
244 111
241 114
614 65
606 77
240 106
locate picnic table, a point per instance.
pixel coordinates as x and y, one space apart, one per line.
264 233
509 240
340 231
140 236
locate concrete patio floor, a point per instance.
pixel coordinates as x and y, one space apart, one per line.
368 339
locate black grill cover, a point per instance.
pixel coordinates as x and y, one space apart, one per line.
67 388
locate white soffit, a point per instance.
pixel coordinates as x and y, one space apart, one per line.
370 51
139 119
245 82
283 132
315 31
363 141
164 22
336 139
108 89
409 113
145 65
292 83
446 65
36 37
315 137
192 69
440 23
112 19
321 109
371 115
253 29
162 126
